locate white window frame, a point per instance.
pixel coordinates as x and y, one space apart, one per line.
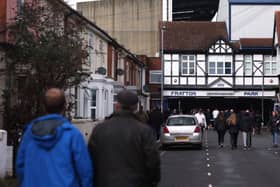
90 51
188 63
155 72
93 106
219 59
113 63
268 62
127 76
248 65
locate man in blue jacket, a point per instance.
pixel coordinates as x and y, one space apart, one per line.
53 152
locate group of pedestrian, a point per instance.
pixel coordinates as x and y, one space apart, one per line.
243 122
122 150
234 123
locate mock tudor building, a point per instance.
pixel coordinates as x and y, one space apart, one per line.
202 68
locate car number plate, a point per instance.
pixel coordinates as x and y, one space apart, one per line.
182 138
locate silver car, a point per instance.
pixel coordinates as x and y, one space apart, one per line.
181 129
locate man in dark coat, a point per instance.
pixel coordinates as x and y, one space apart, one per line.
246 126
124 150
155 121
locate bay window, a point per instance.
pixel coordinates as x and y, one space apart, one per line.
187 64
220 65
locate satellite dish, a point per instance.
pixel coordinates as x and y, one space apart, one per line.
146 88
120 71
101 70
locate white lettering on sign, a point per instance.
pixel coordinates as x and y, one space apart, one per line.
251 93
183 93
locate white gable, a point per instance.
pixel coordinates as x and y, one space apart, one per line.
220 84
220 47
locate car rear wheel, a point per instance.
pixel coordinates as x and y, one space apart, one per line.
164 147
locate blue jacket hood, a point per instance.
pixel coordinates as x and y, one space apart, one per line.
47 130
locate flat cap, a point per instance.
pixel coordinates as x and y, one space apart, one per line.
127 98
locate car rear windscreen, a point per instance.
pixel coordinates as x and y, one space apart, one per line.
181 121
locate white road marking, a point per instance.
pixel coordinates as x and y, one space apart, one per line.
207 159
208 165
210 185
209 174
276 152
207 154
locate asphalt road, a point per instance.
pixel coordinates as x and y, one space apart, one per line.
222 167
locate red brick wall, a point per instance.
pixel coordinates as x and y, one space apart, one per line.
3 14
154 63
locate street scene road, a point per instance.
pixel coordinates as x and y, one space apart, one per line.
222 167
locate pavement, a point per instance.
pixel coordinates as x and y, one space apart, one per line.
222 167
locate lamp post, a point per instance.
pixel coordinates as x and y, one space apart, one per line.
262 124
162 29
262 103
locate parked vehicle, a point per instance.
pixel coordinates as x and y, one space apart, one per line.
181 130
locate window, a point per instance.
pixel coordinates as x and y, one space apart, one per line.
113 63
220 65
155 77
101 51
228 68
270 66
93 104
19 4
220 68
248 65
212 68
127 72
187 64
90 44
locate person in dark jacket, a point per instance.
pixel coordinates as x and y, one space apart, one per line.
142 115
123 149
155 121
233 127
53 152
273 124
246 126
220 127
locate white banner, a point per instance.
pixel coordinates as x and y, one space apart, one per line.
218 93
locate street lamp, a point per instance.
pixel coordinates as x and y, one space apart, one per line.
162 29
262 104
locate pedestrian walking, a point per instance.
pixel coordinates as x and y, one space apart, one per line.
155 121
231 122
220 127
215 113
53 152
142 115
208 116
246 127
273 124
124 150
201 119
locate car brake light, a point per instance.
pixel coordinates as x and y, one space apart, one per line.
197 129
165 130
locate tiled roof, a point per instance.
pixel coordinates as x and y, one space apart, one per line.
277 25
192 36
256 43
